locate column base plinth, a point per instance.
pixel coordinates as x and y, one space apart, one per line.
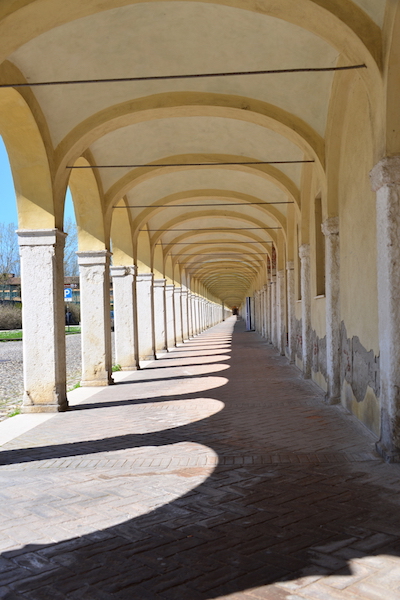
331 400
389 455
96 383
44 408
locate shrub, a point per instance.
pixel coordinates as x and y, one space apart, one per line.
10 316
75 311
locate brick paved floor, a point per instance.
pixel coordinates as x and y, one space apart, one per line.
215 472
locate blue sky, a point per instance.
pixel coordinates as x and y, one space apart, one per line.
8 207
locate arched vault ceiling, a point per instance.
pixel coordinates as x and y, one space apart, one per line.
151 191
171 37
154 140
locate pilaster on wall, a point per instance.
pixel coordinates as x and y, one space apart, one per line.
265 310
125 318
330 229
41 253
385 181
94 272
274 336
305 281
281 311
291 310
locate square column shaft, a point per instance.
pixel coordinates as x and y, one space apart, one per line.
170 315
385 181
178 315
125 318
145 315
185 315
43 316
330 228
160 331
94 272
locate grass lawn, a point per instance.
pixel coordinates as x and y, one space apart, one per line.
16 334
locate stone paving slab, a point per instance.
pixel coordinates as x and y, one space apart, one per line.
214 472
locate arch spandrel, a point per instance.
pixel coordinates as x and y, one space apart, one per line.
29 162
158 261
87 199
121 238
143 252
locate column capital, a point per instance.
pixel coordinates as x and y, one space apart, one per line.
385 173
177 290
159 283
122 271
93 257
170 286
40 237
330 226
144 277
290 265
281 273
304 251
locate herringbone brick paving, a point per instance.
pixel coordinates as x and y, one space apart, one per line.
215 472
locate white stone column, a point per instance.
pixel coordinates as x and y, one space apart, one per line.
185 315
196 315
281 311
330 229
170 315
190 315
94 272
125 319
201 315
385 181
43 318
291 310
304 253
145 315
178 315
160 330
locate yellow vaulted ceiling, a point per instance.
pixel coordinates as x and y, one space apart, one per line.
280 117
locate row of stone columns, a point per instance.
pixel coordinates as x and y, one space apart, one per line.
149 317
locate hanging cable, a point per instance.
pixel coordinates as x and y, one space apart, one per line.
188 76
203 164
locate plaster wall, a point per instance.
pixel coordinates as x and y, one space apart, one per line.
358 256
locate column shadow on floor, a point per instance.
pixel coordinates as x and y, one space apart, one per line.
245 527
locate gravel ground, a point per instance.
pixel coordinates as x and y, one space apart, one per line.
11 375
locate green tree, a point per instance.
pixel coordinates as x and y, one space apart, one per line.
71 247
9 253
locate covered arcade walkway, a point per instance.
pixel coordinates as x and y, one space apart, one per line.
215 472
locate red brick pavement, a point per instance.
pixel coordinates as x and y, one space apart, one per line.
215 472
